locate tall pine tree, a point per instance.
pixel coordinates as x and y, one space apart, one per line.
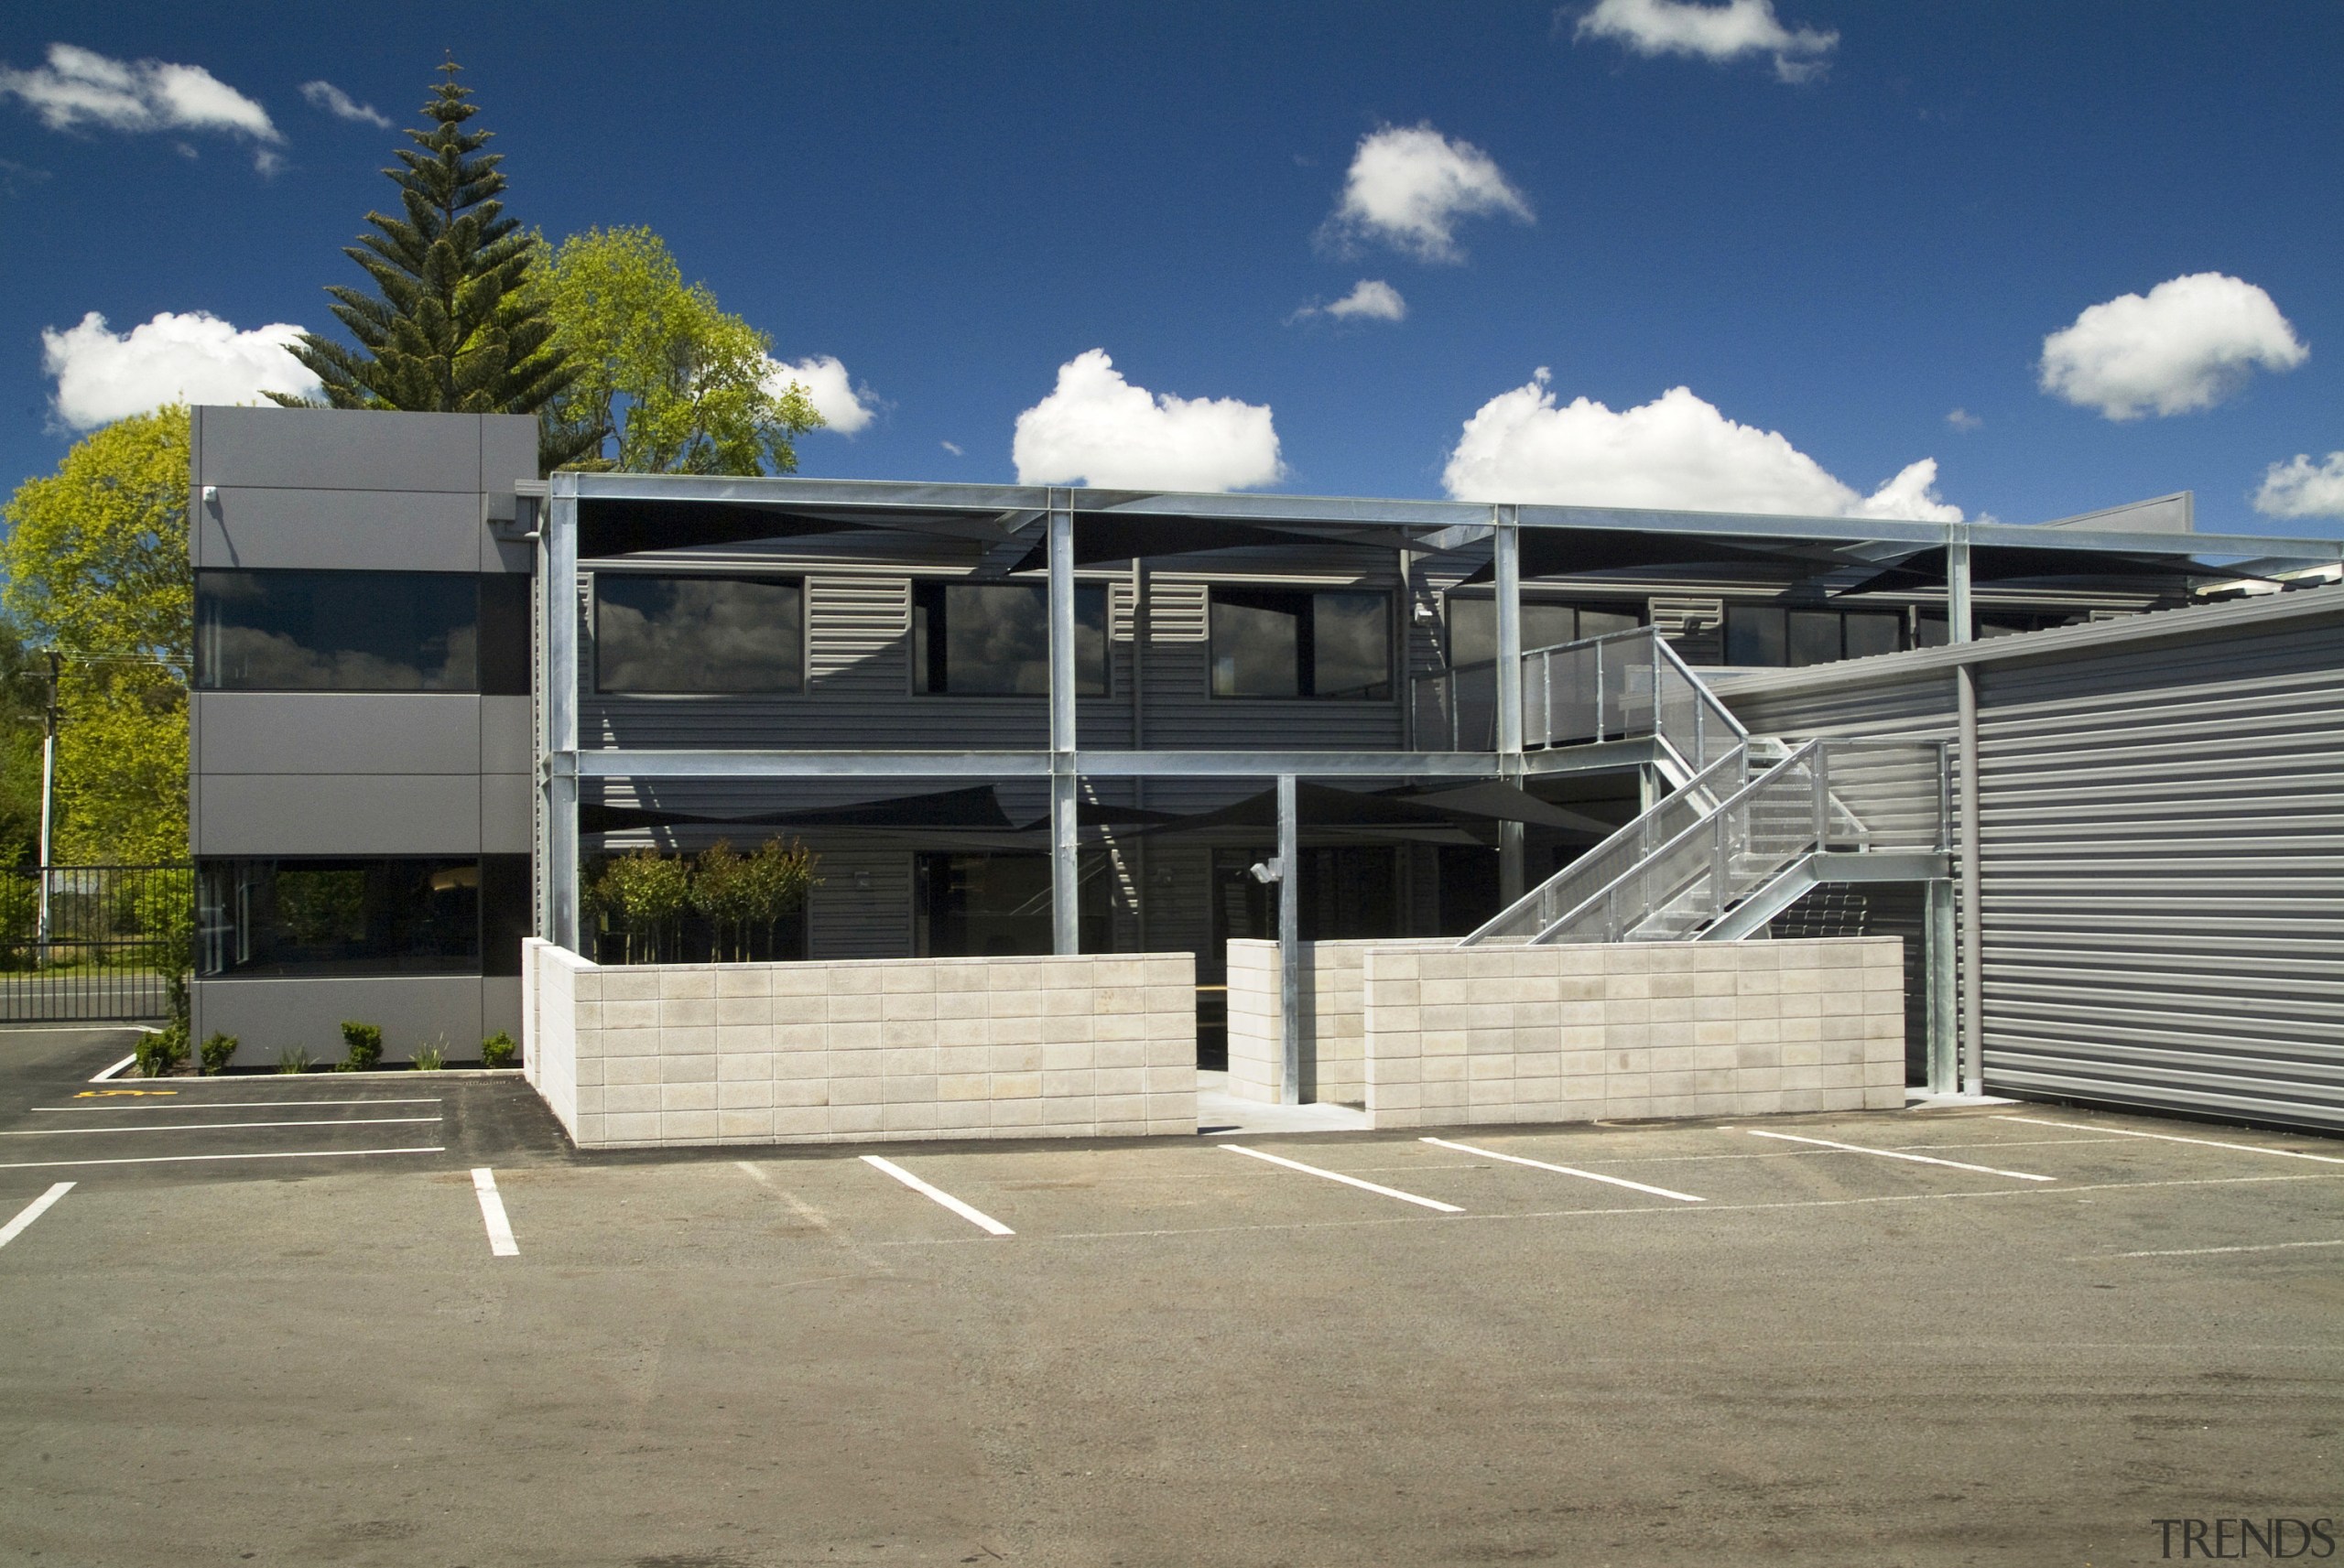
455 326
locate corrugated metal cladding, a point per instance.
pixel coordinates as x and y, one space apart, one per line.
2163 875
1921 709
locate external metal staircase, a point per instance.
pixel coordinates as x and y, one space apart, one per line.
1751 826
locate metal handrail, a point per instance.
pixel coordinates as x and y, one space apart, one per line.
1672 685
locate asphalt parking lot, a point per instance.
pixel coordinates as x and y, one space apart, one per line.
2016 1334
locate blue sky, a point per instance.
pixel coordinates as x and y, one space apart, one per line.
958 202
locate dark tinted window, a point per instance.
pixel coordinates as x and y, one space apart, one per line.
1875 633
1474 625
341 917
1292 643
672 634
1814 637
979 906
1754 634
284 630
993 639
504 634
1765 634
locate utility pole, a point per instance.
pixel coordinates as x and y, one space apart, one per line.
47 804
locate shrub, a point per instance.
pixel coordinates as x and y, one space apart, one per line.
499 1050
293 1059
219 1050
429 1059
161 1052
645 889
365 1042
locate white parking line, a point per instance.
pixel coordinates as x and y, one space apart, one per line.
1897 1154
208 1126
1347 1181
2173 1137
32 1211
117 1067
196 1159
492 1210
975 1217
97 1103
2208 1251
1565 1170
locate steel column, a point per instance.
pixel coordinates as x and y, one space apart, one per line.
1973 992
557 757
1507 543
1289 944
1961 623
1945 1058
1066 881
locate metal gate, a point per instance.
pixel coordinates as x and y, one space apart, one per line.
93 942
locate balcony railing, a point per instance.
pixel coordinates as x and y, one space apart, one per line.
1623 685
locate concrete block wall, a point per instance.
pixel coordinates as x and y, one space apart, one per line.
1334 1061
647 1055
1469 1035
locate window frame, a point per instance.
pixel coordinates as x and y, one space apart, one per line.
500 885
203 673
1306 639
1580 605
797 581
926 654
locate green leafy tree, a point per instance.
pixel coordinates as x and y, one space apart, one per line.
453 326
96 559
645 890
664 381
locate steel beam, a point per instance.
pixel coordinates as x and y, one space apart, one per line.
656 763
1507 547
559 743
1289 944
1961 621
1945 1037
1065 875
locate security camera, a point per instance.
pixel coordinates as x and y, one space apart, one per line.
1269 870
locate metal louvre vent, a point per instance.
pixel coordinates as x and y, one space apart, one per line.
2164 878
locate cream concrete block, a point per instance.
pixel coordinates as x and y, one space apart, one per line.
1013 977
732 1011
685 982
1808 1076
1173 1048
630 1069
1715 1009
1672 1009
964 1059
1801 983
1843 1004
630 984
1168 1080
1757 982
745 1068
1171 969
1489 1068
957 1006
1016 1112
1669 1059
1108 1081
1023 1001
1841 1076
792 1037
1716 1058
904 1089
589 1100
855 1089
1445 993
627 1014
687 1095
898 1061
1119 1054
1435 1042
963 1086
854 1007
687 1012
918 975
1801 1004
795 1091
1444 1069
1171 999
852 1036
1014 1085
800 1121
899 1007
744 1040
742 981
1067 1084
1121 1026
1125 1107
633 1127
1708 1035
799 979
909 1034
1394 993
800 1010
1844 1027
857 979
957 1117
1672 987
848 1120
586 1016
1066 1056
1025 1056
963 1033
908 1118
1887 1097
692 1069
1119 998
1065 1031
744 1097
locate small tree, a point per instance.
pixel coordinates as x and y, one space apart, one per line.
645 889
722 890
775 881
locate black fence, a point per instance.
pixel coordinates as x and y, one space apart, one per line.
93 942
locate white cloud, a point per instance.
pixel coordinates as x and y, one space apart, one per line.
80 88
1715 33
1409 185
325 95
2301 487
953 448
1962 419
2189 344
845 408
1370 300
1097 428
103 375
1674 453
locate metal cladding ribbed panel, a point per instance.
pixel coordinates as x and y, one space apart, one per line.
2163 876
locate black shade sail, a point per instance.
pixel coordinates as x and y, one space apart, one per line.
1111 538
978 806
1575 552
2017 563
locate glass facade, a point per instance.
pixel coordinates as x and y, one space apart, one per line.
998 905
993 639
675 635
304 631
1329 643
385 915
1772 635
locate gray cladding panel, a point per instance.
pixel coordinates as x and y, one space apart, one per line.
507 742
862 906
278 813
270 1016
339 732
340 530
506 803
509 451
2163 877
321 448
1914 710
